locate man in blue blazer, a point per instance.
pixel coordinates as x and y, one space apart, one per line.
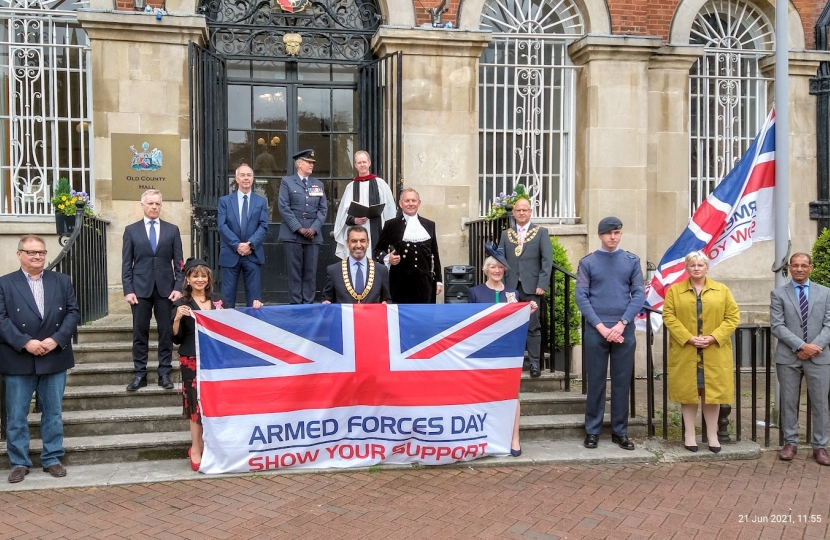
38 317
242 223
302 204
151 273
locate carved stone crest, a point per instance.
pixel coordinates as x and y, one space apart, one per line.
292 44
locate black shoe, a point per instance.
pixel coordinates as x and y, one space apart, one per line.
591 441
714 449
623 441
690 448
138 382
525 366
534 371
165 382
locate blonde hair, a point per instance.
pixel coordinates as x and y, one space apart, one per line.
696 256
488 262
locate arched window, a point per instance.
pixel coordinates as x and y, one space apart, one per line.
45 104
728 94
526 104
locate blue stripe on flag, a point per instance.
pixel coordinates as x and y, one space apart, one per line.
418 323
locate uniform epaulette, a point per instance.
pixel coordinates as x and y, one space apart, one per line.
631 255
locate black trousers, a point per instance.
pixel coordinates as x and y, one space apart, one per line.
534 329
163 310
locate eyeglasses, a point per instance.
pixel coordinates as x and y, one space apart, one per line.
800 266
32 253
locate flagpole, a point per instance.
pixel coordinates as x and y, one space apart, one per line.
782 138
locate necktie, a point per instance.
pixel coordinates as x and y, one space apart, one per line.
305 184
359 282
243 218
153 242
802 302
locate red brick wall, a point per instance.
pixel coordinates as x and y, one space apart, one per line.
654 17
422 16
643 17
127 5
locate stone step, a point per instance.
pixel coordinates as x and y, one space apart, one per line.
547 382
100 333
112 351
114 373
113 448
571 426
551 403
88 398
117 422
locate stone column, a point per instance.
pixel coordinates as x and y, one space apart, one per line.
668 146
612 125
440 125
140 85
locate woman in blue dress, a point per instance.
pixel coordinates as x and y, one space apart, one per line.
494 291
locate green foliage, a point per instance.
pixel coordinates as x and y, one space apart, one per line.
65 198
560 258
821 259
503 202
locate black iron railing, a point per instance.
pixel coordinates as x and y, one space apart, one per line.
84 259
752 345
558 336
480 231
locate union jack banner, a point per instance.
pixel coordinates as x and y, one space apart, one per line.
737 213
320 386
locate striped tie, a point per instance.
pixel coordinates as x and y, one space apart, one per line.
802 302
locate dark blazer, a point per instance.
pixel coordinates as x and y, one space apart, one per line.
534 265
482 294
413 279
335 289
20 321
186 338
141 269
301 210
227 222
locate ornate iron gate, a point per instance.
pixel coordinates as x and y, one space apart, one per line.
209 149
279 77
379 132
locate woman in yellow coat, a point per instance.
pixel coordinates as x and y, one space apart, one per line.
701 315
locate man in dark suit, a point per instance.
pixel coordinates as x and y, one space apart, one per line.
409 247
799 317
242 224
38 317
302 204
356 279
530 256
151 273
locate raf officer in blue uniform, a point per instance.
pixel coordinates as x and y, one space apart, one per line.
302 203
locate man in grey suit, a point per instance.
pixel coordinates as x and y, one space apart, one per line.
302 204
530 256
799 315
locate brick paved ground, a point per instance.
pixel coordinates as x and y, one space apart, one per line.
682 500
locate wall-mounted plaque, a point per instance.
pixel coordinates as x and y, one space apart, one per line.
146 161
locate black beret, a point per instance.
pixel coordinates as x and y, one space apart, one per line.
609 224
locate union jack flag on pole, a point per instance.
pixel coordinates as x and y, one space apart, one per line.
737 213
355 385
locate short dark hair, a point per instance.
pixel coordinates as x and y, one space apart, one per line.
358 229
799 254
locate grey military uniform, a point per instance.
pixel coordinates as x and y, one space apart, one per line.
301 207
